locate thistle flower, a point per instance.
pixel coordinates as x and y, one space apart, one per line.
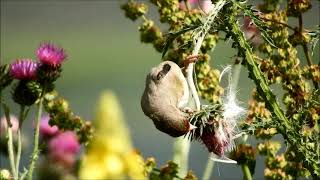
50 54
218 141
205 5
24 69
47 131
251 32
217 124
63 148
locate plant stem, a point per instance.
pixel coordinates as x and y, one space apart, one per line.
308 57
300 23
18 154
236 70
10 142
208 171
35 152
278 22
21 118
285 129
256 75
305 48
10 151
246 172
181 148
198 39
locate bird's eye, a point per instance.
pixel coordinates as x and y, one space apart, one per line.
165 69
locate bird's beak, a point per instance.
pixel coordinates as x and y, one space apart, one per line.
192 127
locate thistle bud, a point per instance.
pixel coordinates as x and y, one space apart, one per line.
26 92
134 10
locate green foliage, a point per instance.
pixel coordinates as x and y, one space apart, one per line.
169 171
134 10
5 77
62 116
205 120
272 60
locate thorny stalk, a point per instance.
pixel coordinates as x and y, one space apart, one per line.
35 153
10 142
181 157
198 39
305 48
21 118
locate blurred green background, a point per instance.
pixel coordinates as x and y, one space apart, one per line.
105 52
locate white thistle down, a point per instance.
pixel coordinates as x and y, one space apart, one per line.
231 109
226 132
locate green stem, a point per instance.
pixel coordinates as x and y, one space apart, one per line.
35 153
246 172
208 171
18 154
181 148
10 144
236 70
285 129
256 75
309 61
305 48
21 118
198 39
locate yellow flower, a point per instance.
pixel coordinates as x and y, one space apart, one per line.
110 154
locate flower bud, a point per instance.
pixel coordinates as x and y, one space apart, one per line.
26 92
134 10
297 7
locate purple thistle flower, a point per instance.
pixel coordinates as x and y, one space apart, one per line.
63 148
50 54
47 131
24 69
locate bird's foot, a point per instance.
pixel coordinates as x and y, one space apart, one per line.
190 59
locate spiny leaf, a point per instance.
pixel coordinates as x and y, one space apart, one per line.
201 120
253 14
171 36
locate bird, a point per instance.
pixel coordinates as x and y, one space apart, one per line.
165 99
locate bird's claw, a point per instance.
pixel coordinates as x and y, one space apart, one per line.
190 59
